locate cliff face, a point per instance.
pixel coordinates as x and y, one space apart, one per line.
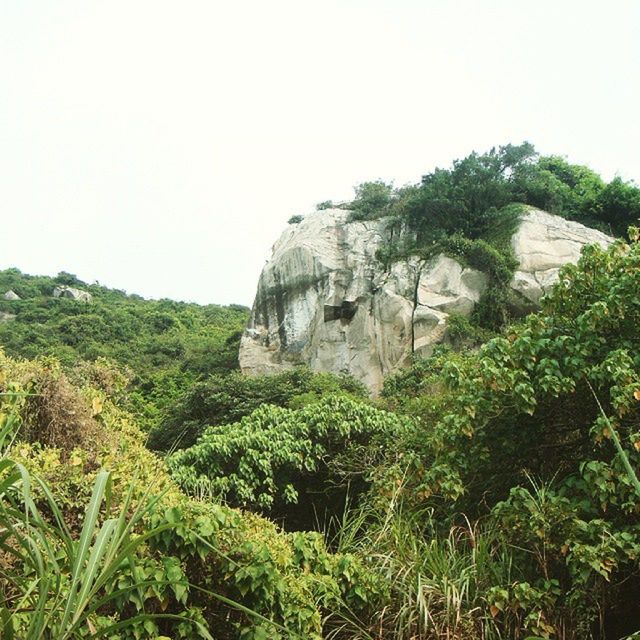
325 301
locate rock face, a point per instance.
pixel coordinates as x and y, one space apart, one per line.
542 244
325 301
11 295
71 293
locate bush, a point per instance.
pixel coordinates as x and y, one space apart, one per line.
277 457
539 433
56 415
226 399
470 198
372 200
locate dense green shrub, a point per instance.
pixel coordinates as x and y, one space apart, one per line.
277 457
467 199
373 200
224 399
527 431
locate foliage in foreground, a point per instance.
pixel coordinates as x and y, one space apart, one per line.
443 580
124 554
538 434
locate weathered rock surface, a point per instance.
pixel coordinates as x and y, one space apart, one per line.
542 244
11 295
324 300
71 293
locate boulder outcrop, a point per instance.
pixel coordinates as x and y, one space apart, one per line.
72 293
326 301
542 244
11 295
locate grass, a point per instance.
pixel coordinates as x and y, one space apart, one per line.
438 579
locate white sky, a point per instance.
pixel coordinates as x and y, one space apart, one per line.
160 147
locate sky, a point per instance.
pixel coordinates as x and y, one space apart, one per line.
160 147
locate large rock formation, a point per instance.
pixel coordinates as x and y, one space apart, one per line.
324 300
63 291
542 244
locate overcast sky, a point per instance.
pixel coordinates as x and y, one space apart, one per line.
160 147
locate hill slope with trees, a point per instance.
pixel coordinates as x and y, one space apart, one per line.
162 346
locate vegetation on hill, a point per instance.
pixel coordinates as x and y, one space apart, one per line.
161 345
537 436
504 504
467 199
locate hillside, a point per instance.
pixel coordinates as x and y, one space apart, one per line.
161 345
364 287
325 300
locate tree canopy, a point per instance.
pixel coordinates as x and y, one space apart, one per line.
468 197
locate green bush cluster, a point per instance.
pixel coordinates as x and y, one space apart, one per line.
278 457
538 435
223 399
468 198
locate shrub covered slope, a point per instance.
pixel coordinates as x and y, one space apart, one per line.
505 501
162 345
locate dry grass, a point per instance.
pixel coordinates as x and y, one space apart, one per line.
57 415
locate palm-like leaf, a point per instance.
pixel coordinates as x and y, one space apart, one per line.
53 583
